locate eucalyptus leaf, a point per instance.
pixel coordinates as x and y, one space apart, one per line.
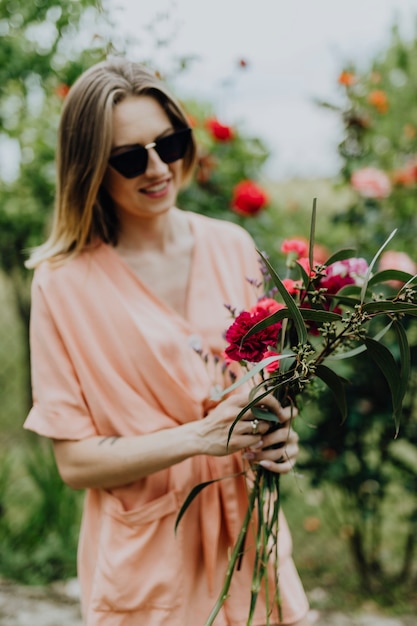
339 356
371 265
336 386
255 369
385 275
405 358
289 301
390 306
312 233
388 366
341 255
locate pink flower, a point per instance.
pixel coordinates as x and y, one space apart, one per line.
371 182
219 131
393 260
248 198
254 347
342 273
266 304
296 246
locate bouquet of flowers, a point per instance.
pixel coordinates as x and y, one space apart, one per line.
300 328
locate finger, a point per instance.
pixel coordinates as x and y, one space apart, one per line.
284 414
281 437
283 465
280 455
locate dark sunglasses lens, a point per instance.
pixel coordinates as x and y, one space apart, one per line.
130 163
170 148
174 146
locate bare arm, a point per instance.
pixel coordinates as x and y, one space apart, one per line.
107 462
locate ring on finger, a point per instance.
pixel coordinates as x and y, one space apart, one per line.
254 423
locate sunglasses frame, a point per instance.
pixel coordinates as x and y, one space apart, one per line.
141 152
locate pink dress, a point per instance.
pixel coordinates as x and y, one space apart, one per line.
109 358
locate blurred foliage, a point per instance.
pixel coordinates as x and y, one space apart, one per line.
228 156
44 46
373 470
380 131
39 517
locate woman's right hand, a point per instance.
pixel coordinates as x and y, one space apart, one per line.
213 430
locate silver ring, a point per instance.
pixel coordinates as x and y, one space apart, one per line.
254 423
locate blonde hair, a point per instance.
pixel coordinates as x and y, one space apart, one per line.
84 212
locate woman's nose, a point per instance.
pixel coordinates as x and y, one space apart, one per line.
155 164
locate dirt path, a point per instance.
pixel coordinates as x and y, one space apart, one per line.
57 605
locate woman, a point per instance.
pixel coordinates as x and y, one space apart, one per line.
126 287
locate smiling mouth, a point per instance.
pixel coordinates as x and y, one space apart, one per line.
160 187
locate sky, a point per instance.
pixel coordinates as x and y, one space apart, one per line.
294 49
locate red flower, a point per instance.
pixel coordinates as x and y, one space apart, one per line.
407 175
274 366
62 90
248 198
254 347
219 131
292 286
379 100
346 78
298 246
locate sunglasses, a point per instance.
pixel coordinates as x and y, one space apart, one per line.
133 162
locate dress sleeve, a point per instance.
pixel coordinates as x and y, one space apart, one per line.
59 409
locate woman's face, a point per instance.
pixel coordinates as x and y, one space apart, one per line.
142 120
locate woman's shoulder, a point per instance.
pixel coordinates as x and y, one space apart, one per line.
221 230
62 273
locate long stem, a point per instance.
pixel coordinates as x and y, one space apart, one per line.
235 554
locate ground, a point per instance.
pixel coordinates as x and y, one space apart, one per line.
57 605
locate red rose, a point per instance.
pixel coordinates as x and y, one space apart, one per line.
248 198
219 131
254 347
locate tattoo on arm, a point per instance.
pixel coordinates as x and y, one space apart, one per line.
111 440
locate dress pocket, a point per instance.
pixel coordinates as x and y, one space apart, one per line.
139 562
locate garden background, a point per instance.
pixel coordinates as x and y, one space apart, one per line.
352 504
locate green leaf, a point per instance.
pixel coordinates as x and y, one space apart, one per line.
312 233
194 493
341 255
371 266
255 369
405 359
263 414
355 351
304 276
390 306
291 305
336 386
386 363
385 275
317 315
